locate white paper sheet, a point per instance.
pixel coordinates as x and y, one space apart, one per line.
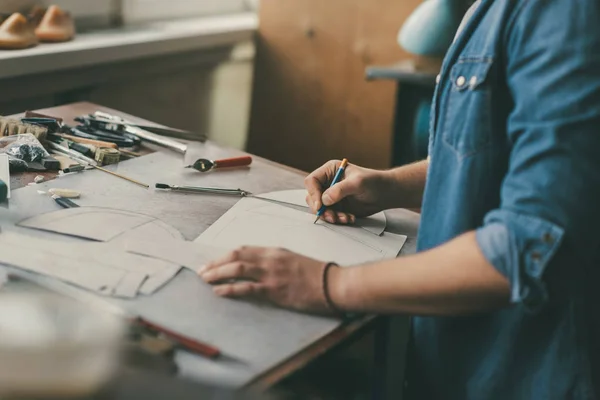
186 254
375 223
95 223
159 271
69 262
115 227
252 222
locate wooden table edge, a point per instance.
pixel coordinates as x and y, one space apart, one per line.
341 335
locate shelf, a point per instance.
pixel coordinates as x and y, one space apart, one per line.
128 43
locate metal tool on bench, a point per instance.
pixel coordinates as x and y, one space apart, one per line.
56 128
228 192
122 139
86 161
64 202
205 165
74 155
200 189
118 125
92 119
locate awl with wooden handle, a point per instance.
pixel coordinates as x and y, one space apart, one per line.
97 143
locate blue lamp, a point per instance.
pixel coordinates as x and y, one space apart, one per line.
430 29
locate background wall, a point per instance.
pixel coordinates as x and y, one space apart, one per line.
213 98
311 102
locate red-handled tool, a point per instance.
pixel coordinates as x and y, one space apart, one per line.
205 165
188 343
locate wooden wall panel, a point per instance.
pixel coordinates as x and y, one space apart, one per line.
310 99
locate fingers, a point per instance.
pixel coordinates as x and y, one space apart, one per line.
237 264
339 191
246 253
240 289
233 270
345 219
317 181
334 217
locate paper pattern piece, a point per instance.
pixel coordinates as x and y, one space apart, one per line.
115 227
87 222
69 262
158 272
100 224
375 223
253 222
186 254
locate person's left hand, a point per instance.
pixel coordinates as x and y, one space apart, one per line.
284 278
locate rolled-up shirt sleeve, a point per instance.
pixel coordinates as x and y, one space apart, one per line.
520 247
550 197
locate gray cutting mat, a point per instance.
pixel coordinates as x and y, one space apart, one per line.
260 336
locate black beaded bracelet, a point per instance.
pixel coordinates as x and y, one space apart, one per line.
330 303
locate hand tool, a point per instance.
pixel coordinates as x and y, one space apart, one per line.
81 134
64 203
50 124
121 139
92 163
335 180
71 153
97 143
205 165
113 122
33 114
81 148
74 168
229 192
197 189
121 176
188 343
92 120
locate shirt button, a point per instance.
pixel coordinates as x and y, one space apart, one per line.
438 79
473 81
460 81
548 238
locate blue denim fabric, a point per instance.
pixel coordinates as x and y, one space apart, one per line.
515 156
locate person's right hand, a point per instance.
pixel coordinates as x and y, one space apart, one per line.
360 193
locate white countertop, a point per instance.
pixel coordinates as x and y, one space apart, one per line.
126 43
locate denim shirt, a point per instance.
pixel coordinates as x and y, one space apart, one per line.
515 156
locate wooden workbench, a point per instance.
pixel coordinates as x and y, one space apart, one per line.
263 176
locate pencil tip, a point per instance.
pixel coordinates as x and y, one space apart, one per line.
316 219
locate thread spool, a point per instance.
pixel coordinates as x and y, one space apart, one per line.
107 156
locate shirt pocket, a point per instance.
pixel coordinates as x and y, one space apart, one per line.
467 123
